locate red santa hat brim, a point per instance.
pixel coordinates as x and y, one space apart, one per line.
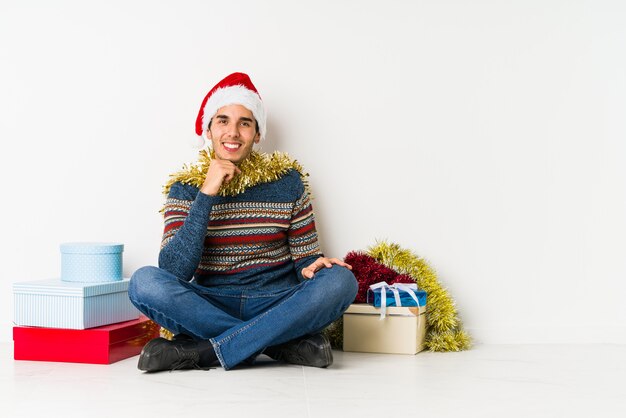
237 88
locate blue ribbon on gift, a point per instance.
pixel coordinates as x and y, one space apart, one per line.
397 294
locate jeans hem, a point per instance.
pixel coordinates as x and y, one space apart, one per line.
218 353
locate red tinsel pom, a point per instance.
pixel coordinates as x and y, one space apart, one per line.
402 278
369 271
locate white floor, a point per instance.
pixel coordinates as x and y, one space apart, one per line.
487 381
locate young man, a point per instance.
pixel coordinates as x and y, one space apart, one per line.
240 269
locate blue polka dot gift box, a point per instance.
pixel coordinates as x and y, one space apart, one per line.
91 262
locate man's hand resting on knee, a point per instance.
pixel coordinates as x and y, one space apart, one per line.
309 271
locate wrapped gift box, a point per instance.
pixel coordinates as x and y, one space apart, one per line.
91 262
55 303
402 331
374 297
101 345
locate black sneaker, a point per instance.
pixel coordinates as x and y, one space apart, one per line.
312 351
161 354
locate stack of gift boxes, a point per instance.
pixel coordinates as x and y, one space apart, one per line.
83 317
392 321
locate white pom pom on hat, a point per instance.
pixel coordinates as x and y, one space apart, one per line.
237 88
197 142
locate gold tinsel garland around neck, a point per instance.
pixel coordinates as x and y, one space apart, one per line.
258 168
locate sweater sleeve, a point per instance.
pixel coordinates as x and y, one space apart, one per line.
186 216
302 235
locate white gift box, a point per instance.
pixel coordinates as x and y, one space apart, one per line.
401 331
54 303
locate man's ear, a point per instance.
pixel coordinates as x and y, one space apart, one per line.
208 134
257 138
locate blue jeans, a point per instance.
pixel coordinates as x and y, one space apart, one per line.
241 323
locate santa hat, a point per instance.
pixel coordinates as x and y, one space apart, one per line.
236 88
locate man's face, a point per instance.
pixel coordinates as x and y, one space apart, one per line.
233 132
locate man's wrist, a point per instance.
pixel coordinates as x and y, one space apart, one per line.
209 191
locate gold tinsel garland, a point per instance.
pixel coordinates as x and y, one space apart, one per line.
258 168
444 328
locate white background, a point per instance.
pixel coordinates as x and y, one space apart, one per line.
487 136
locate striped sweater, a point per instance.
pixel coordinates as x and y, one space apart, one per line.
261 238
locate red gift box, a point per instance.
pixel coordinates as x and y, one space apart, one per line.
100 345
